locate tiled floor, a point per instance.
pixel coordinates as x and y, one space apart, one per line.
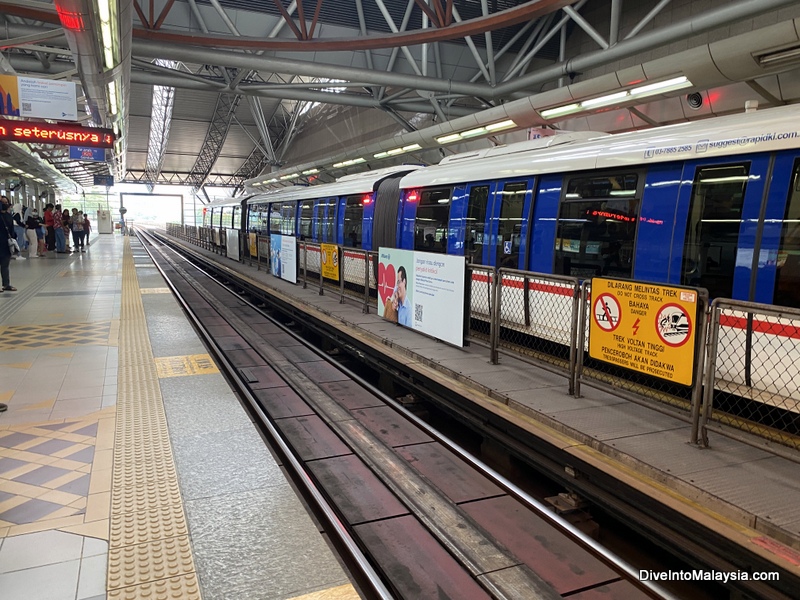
58 375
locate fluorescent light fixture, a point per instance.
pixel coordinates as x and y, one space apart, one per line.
112 96
501 125
446 139
472 132
561 110
18 171
108 54
412 147
104 10
310 171
395 151
381 155
355 161
338 165
4 165
622 193
290 176
603 100
273 180
662 86
782 56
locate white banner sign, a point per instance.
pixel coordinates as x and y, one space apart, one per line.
38 98
423 291
232 240
283 256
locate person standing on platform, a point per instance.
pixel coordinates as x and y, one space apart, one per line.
58 230
50 230
87 228
19 215
31 227
66 221
77 230
6 233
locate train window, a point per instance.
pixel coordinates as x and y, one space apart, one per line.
476 224
288 218
275 218
787 279
597 226
353 217
712 231
329 229
257 218
305 219
319 216
237 217
433 216
510 227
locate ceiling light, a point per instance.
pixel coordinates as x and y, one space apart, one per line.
786 55
310 171
112 96
561 110
412 147
4 165
603 100
448 138
273 180
18 171
661 86
501 125
381 155
290 176
472 132
104 10
395 151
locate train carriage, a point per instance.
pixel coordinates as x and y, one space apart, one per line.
713 204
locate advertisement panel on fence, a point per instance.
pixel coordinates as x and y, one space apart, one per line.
423 291
283 257
646 327
253 239
232 243
330 261
38 98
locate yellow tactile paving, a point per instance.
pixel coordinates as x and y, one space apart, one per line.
179 366
149 551
174 588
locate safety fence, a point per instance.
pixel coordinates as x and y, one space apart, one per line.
743 367
752 376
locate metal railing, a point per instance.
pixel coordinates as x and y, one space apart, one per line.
746 365
752 376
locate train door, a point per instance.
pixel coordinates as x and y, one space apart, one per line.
508 223
476 228
721 206
777 266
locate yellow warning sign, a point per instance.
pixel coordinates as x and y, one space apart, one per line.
330 261
646 327
253 239
179 366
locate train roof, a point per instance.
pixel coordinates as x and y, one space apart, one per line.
359 183
761 131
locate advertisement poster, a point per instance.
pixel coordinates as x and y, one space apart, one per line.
330 261
38 98
253 239
232 242
283 257
423 291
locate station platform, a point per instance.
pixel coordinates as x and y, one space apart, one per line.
128 468
746 493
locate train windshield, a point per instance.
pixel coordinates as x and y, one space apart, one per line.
597 226
787 278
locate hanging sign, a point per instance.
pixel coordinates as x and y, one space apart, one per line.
646 327
38 98
55 133
87 154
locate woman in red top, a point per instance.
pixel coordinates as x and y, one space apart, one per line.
49 223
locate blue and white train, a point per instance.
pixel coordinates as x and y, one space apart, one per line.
714 203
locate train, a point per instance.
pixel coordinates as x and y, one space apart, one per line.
713 204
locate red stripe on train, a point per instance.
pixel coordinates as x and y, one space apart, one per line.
535 286
790 331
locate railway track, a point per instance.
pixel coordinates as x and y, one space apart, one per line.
411 514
